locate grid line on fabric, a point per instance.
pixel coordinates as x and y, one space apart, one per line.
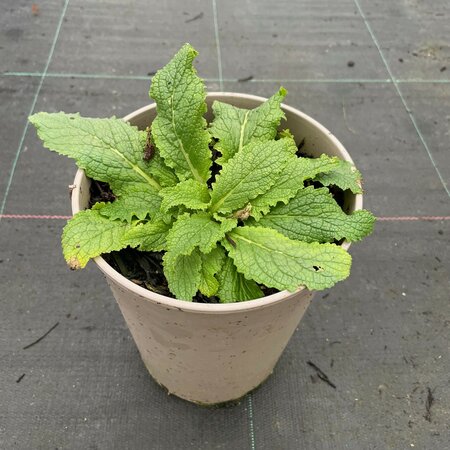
33 105
250 421
402 98
107 76
216 33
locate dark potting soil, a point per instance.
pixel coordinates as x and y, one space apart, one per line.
145 268
100 192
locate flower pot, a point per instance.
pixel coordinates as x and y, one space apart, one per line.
214 353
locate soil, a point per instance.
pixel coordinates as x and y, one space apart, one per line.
145 268
100 192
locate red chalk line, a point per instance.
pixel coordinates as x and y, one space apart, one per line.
412 218
381 219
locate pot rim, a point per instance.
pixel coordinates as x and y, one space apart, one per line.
206 308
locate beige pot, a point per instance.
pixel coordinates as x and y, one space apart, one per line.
214 353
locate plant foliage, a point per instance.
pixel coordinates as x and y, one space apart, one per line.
268 217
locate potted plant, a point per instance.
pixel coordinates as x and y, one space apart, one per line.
213 232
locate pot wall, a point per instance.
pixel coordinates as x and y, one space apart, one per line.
209 358
204 353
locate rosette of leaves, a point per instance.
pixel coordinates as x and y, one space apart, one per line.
257 220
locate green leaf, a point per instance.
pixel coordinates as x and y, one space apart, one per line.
291 180
88 234
286 133
235 127
211 264
344 176
197 230
270 258
291 146
179 129
148 237
109 150
183 274
165 175
189 193
314 216
250 172
234 287
137 200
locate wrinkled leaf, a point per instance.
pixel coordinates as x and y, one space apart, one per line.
250 172
345 176
108 150
139 201
189 193
211 265
148 237
314 216
183 274
270 258
197 230
236 127
234 287
290 181
89 234
179 129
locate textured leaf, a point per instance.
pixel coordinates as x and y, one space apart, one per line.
286 133
109 150
183 274
189 193
88 234
165 175
148 237
291 180
270 258
250 172
235 127
179 129
290 142
344 176
314 216
163 202
211 264
138 200
234 287
197 230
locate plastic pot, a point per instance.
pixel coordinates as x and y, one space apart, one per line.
214 353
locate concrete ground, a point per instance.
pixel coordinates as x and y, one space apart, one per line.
376 73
